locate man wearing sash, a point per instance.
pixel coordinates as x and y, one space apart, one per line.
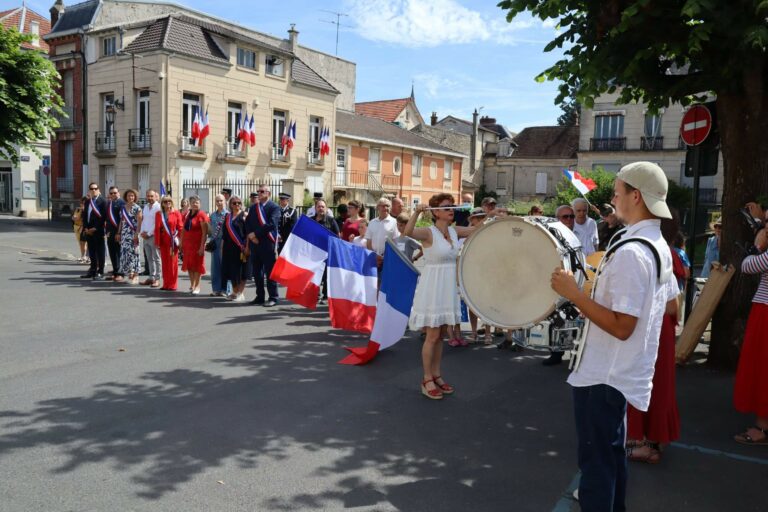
114 210
617 352
288 217
261 225
94 217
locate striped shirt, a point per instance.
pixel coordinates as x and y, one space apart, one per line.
758 264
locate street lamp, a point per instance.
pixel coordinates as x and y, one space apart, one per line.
109 112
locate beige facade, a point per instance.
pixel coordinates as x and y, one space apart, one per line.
525 179
168 88
614 135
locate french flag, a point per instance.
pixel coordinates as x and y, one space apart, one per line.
582 184
302 262
393 308
252 132
352 280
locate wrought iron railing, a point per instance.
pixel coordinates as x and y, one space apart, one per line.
278 154
140 139
612 144
208 189
235 148
106 142
313 156
191 145
651 143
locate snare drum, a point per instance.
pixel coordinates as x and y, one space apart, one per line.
505 269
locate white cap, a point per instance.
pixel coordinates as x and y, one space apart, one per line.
652 183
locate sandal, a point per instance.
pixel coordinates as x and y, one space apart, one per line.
446 388
454 342
432 394
462 341
651 457
745 438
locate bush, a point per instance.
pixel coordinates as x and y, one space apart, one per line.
482 193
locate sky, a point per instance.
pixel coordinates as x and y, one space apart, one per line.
459 55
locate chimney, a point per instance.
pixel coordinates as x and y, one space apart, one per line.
293 37
56 11
485 121
473 144
433 119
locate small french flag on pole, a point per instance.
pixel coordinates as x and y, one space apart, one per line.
582 184
352 280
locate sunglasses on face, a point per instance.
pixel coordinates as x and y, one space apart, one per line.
236 203
570 216
261 191
94 188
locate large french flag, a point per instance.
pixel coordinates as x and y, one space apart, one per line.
302 262
393 308
352 280
582 184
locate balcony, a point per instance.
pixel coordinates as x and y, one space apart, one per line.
67 120
651 143
140 140
279 156
106 143
66 185
235 150
360 180
190 146
681 144
614 144
313 157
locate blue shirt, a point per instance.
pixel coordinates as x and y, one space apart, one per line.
712 255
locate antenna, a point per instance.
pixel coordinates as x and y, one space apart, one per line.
337 23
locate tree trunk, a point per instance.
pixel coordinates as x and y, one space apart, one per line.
743 123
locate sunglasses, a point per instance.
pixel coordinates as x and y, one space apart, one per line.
94 188
261 191
113 192
167 202
236 203
571 216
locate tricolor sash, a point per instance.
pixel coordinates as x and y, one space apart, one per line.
93 209
172 235
262 217
233 234
111 213
127 219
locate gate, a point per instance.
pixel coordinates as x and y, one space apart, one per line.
208 189
6 191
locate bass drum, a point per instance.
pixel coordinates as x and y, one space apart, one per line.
505 268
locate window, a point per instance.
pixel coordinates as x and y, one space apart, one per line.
374 159
541 183
416 166
610 167
314 138
108 46
190 105
69 160
652 125
278 127
275 65
69 97
34 30
397 166
501 181
448 169
234 114
108 173
246 58
142 111
609 127
141 178
108 101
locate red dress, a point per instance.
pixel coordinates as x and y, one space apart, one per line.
169 251
350 228
661 423
191 240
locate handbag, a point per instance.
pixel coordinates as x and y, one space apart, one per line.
210 245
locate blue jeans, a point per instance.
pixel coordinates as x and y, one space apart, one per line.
601 428
216 278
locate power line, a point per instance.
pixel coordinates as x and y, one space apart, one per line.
337 23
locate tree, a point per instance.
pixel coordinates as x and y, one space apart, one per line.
28 99
598 196
571 111
678 51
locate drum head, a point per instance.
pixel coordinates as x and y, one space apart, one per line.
505 270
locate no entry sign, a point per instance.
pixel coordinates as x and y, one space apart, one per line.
696 125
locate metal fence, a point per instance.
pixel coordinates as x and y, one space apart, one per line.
208 189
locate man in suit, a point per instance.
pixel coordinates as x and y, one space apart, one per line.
94 217
262 227
288 217
114 210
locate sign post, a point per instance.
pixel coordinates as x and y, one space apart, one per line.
694 129
47 174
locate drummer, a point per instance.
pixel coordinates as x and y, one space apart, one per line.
620 342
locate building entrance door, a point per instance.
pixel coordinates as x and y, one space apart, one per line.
6 190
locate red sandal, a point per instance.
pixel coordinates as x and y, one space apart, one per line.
432 394
446 388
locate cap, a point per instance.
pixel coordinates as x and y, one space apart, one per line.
317 195
226 191
284 195
477 212
652 183
488 200
254 194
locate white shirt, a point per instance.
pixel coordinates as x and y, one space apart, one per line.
148 218
628 284
359 240
587 234
378 232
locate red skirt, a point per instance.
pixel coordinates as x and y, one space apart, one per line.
192 262
661 423
750 393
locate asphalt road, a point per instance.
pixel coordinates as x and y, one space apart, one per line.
120 398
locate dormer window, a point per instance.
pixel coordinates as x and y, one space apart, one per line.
34 30
275 65
246 58
108 46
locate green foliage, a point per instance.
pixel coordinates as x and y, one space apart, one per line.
678 196
603 193
28 99
570 115
308 199
484 192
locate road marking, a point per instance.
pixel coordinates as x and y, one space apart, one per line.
696 124
719 453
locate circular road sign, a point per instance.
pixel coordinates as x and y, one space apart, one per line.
696 125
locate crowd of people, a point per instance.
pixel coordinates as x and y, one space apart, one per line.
626 370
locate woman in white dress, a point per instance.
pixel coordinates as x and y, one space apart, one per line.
436 303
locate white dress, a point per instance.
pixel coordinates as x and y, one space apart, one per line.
436 301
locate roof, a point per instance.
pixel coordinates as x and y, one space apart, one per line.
371 129
464 126
547 142
301 73
75 17
386 110
179 36
21 19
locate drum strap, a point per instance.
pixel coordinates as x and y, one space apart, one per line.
612 249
